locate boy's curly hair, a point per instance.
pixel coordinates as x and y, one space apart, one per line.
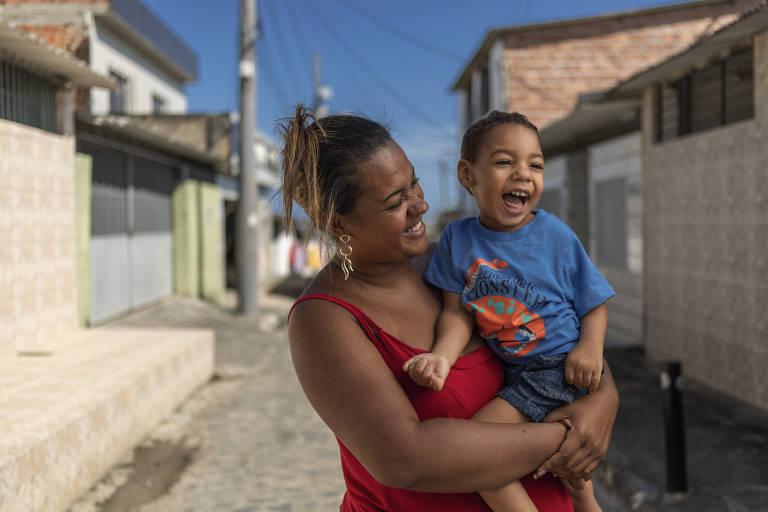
475 133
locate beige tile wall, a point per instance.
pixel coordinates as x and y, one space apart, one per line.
37 238
706 248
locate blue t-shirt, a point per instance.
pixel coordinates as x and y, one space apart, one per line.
527 288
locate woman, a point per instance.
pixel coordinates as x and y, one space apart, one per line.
405 447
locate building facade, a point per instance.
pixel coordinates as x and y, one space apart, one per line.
541 69
687 186
705 205
593 177
157 213
121 39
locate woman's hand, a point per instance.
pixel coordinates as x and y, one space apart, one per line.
585 444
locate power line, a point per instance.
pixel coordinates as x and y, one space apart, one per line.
275 73
273 77
396 95
362 89
401 33
299 33
282 44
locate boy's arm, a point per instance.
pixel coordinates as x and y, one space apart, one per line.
454 328
585 362
453 331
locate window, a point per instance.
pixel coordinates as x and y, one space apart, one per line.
118 97
719 94
468 117
26 97
159 104
485 92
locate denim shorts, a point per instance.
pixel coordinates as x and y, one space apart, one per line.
538 385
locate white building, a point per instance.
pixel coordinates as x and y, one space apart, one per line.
121 39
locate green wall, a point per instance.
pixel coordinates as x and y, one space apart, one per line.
83 166
186 254
211 237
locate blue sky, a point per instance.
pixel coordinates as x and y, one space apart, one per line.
393 60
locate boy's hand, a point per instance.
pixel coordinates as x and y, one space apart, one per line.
428 370
584 366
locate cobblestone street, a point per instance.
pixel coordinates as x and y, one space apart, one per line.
248 441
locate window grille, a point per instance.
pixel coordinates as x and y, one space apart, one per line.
26 97
159 104
118 97
719 94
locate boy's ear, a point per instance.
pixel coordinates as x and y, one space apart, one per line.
464 173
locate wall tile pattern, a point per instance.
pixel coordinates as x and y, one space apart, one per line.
706 248
69 417
37 238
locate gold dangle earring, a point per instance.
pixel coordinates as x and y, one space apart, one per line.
344 251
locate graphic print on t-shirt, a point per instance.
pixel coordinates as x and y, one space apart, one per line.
500 317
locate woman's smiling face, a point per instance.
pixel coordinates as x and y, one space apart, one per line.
506 178
386 224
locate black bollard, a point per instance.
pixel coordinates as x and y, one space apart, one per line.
672 386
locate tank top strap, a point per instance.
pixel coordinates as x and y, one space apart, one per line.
369 326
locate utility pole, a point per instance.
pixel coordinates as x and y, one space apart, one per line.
247 242
323 93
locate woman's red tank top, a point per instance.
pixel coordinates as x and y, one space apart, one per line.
473 382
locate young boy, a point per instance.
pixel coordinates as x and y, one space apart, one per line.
532 291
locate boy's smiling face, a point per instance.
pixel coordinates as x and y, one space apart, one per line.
506 178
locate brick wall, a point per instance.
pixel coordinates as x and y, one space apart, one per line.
547 68
74 40
706 250
66 37
37 238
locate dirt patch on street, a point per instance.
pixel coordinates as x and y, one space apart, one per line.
154 470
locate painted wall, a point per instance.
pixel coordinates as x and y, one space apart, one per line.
83 174
186 238
615 169
37 238
110 53
211 282
705 212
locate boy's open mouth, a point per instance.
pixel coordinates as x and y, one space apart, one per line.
515 201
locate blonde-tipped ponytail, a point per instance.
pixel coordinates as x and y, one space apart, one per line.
322 160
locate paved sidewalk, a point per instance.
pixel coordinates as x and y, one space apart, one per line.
726 444
249 441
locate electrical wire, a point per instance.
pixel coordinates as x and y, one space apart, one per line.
352 73
378 22
272 73
299 33
279 31
360 61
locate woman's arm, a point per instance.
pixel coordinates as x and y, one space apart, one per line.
586 444
356 394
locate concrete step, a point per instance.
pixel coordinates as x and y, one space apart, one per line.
68 415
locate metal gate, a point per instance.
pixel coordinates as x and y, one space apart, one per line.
131 231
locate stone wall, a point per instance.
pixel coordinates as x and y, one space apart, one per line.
706 248
38 303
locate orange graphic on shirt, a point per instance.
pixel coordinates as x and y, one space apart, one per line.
504 319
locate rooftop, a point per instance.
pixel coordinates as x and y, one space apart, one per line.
30 51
